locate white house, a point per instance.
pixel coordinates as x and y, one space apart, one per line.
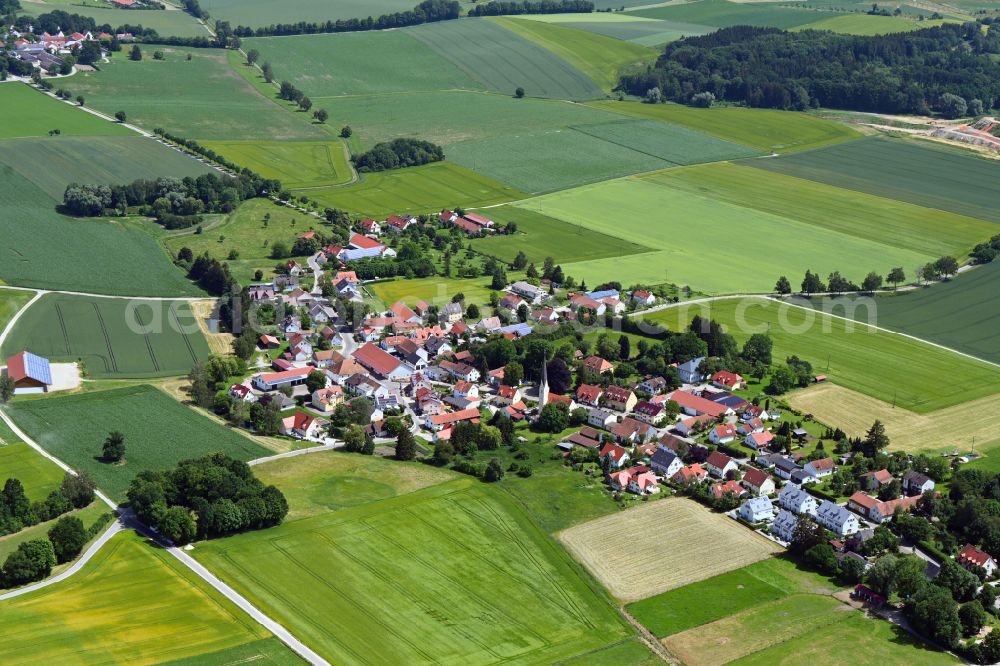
784 525
529 292
601 418
837 519
722 434
793 498
757 510
915 483
719 465
821 468
690 372
665 462
758 482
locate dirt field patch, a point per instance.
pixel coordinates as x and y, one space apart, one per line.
948 429
218 343
662 545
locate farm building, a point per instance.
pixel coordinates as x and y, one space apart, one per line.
31 374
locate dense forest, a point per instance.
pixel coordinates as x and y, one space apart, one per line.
917 72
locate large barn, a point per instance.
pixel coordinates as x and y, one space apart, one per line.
31 374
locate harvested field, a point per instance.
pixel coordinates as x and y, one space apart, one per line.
922 173
218 343
953 428
685 540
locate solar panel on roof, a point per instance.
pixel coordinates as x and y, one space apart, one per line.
37 368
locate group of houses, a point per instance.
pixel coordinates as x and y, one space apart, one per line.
45 51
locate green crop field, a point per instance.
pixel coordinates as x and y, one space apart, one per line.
28 112
455 572
884 221
12 300
501 60
96 256
114 337
764 129
921 173
722 13
568 157
866 24
39 475
415 190
246 232
960 314
333 480
159 432
261 13
53 163
434 290
131 603
892 368
652 213
357 63
200 98
166 23
264 652
539 237
600 57
294 163
645 32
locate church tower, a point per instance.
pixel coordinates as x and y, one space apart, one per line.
543 387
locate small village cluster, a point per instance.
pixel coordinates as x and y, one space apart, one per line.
45 52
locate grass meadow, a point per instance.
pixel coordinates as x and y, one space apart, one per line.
763 129
245 232
960 313
38 474
261 13
294 163
12 300
53 163
132 603
649 211
925 174
598 56
31 113
159 432
415 190
636 29
98 256
892 368
166 23
539 236
417 579
866 24
99 331
435 290
722 13
200 98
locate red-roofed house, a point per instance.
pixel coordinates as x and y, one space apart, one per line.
302 425
615 454
727 380
821 468
643 297
597 365
619 398
877 511
31 374
402 312
970 556
381 363
722 434
719 464
507 395
638 480
723 488
588 394
272 381
875 480
438 422
397 223
691 474
758 482
758 440
370 226
696 405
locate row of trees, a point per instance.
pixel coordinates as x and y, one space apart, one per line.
33 560
836 283
911 72
427 11
513 7
204 498
18 512
397 154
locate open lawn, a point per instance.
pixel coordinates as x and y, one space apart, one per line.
294 163
37 474
261 13
200 98
435 290
689 543
357 63
580 154
28 112
960 314
159 432
415 190
889 367
764 129
723 595
600 57
130 262
500 60
920 173
456 572
887 222
868 641
649 211
722 13
245 232
114 337
132 603
866 24
166 23
951 429
539 236
333 480
53 163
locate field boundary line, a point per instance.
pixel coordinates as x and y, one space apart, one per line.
17 315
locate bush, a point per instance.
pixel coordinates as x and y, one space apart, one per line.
32 561
68 537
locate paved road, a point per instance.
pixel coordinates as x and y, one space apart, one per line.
317 273
293 454
17 315
115 528
42 292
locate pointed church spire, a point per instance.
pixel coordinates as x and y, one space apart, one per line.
543 387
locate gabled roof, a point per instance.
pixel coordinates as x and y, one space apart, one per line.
376 360
364 243
455 417
718 460
698 404
972 555
617 393
25 365
822 464
756 477
614 451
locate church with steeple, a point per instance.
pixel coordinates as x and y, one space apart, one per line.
543 387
